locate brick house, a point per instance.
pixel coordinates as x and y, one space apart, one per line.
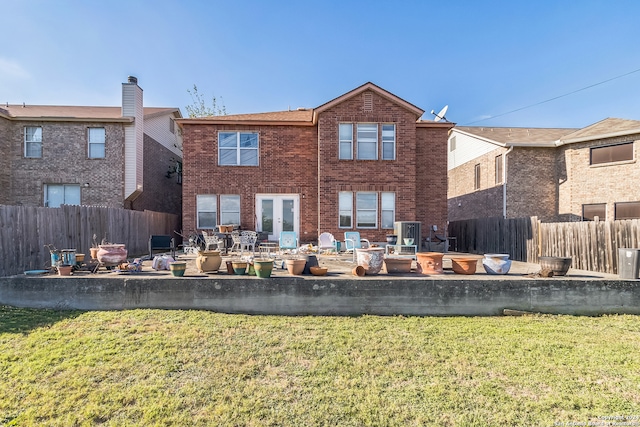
356 163
124 157
555 174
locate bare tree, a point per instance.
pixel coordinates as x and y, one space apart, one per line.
199 107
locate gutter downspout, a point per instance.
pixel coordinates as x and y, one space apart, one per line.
504 182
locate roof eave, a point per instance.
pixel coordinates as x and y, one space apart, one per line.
72 119
601 136
196 121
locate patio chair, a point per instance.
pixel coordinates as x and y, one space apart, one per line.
288 240
248 241
353 241
235 238
211 240
326 241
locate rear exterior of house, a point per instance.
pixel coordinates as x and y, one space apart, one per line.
357 163
99 156
554 174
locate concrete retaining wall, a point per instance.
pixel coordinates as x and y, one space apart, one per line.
323 296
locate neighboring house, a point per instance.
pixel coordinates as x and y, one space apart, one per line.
103 156
555 174
356 163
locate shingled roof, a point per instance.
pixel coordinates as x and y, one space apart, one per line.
543 137
68 112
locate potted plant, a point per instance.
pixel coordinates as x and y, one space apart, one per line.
94 248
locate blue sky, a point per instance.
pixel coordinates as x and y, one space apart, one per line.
482 58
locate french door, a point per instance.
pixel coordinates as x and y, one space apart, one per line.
278 212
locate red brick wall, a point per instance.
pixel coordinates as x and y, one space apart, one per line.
287 164
64 161
431 179
5 164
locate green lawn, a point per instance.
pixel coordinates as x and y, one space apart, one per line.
155 367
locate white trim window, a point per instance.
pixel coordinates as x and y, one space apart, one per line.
206 211
388 142
238 148
56 195
229 209
96 138
346 141
388 209
33 142
367 134
345 208
366 210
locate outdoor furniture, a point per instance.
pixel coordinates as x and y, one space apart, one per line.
162 242
211 240
267 248
402 250
248 241
326 241
235 238
288 240
353 241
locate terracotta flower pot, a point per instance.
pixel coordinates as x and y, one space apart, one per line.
464 265
295 266
94 252
64 270
429 262
318 271
358 271
263 267
396 265
208 261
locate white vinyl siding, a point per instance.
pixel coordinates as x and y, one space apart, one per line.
97 138
345 207
33 141
346 141
230 209
388 142
367 134
206 206
238 148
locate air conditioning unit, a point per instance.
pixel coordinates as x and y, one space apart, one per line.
408 230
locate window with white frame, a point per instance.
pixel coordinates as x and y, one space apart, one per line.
238 148
346 141
366 210
229 209
33 141
97 138
388 142
56 195
206 207
367 134
388 209
345 207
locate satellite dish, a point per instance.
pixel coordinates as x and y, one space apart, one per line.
440 115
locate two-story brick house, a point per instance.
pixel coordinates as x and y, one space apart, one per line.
123 157
356 163
554 174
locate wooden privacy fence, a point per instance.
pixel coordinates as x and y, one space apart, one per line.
592 245
26 230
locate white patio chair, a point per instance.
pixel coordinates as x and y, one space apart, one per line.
211 240
353 241
248 241
326 242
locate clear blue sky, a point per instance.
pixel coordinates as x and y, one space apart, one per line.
482 58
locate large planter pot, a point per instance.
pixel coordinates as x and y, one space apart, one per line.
263 267
559 265
112 254
496 263
429 262
295 266
464 265
208 261
239 267
371 259
397 265
178 268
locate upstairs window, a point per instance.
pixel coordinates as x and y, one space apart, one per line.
238 148
499 169
612 153
476 177
452 143
388 142
33 141
96 137
367 141
346 141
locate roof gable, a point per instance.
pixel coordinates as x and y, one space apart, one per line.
372 87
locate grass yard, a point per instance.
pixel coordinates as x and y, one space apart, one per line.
155 367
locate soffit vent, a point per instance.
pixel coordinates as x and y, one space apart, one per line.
368 101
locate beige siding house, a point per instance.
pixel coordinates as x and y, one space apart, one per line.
557 174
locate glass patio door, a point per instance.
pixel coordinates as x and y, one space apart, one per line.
278 212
